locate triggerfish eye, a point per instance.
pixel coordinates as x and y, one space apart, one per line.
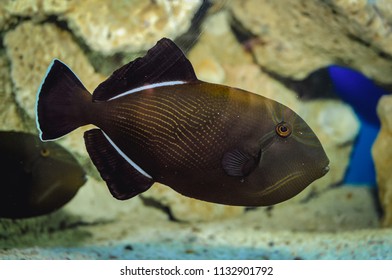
45 152
283 129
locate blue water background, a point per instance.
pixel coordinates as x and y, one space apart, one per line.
363 95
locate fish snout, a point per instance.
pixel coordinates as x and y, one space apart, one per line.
325 170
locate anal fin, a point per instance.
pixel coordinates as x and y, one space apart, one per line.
124 180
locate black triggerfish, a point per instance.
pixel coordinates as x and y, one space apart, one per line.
156 122
37 178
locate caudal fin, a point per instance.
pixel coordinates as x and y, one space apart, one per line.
61 102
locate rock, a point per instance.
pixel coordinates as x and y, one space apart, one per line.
337 126
128 26
382 155
36 9
122 26
218 41
9 116
233 65
208 57
6 18
29 64
249 77
94 203
93 207
384 8
187 209
295 38
336 209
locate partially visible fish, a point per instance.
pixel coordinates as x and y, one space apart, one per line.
158 123
37 178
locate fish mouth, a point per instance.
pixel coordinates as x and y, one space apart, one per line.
325 170
84 179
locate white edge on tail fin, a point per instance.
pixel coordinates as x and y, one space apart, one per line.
162 84
39 91
131 162
37 98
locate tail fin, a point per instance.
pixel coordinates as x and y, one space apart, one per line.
61 102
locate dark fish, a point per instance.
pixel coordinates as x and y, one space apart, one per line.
158 123
37 178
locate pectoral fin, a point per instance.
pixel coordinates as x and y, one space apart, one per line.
123 179
239 163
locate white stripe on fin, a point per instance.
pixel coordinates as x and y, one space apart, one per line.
163 84
131 162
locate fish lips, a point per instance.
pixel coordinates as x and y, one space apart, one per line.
325 170
323 165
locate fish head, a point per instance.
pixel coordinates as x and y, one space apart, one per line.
56 177
291 156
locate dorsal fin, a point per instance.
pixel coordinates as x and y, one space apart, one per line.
164 62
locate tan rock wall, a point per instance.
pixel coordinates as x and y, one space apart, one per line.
294 38
382 154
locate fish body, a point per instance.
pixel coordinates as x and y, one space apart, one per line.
38 177
156 122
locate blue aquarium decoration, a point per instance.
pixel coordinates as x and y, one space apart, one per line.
363 95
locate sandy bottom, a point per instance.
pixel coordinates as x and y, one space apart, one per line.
230 239
342 223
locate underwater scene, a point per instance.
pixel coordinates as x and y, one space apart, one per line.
196 129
